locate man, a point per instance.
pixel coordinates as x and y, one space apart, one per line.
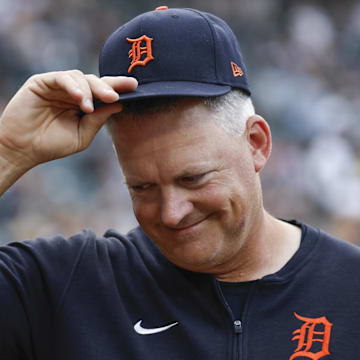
209 274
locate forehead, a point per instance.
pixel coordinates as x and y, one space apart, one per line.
144 116
186 133
176 122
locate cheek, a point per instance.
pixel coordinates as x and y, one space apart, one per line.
228 199
145 212
215 197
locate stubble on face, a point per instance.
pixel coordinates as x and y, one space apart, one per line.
201 226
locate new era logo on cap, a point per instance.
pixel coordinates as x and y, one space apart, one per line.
237 71
176 52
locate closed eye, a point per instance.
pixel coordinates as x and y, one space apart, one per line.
139 188
194 179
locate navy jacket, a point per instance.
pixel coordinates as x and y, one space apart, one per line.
80 299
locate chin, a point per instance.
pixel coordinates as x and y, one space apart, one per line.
193 256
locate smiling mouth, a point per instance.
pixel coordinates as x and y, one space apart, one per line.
190 227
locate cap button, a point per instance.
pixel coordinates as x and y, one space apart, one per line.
162 8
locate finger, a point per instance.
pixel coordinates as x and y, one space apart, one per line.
68 86
121 84
86 103
90 124
107 89
101 90
55 83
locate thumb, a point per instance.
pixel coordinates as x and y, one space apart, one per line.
90 124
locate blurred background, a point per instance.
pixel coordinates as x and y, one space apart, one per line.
303 60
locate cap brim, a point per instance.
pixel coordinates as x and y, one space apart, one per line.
174 89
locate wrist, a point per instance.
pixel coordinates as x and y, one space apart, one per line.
11 169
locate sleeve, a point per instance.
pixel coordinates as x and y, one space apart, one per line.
34 275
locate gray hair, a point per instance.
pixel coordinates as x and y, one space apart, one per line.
231 110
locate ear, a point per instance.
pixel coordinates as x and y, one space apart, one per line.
259 138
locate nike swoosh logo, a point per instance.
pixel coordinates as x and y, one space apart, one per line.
142 331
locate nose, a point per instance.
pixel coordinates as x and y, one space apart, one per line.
175 207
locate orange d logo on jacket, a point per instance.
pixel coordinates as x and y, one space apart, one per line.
313 338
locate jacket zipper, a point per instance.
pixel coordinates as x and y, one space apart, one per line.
237 326
237 330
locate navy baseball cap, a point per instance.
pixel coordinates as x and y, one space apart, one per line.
175 52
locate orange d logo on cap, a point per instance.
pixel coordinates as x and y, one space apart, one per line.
137 51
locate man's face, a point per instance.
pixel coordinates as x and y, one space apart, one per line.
194 187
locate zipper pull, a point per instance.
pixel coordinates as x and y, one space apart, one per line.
237 326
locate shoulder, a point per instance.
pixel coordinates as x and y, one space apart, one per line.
62 252
43 260
133 248
332 253
46 249
49 266
318 240
329 244
339 249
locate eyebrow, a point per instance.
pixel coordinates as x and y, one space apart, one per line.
188 170
197 169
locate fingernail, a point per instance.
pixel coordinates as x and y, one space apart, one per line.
89 104
112 92
135 81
